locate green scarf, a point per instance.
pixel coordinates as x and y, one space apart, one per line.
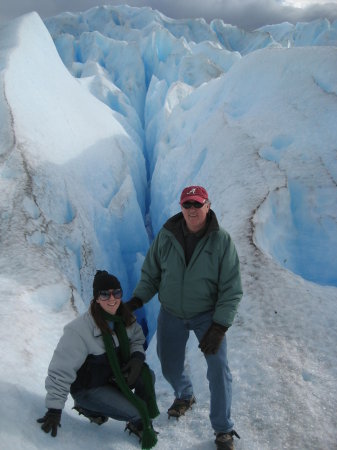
148 410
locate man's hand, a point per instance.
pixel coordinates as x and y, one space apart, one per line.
134 303
211 341
51 421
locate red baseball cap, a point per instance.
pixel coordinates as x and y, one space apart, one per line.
194 194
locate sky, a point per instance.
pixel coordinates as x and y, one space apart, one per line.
247 14
90 170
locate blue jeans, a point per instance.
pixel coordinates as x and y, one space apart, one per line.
109 401
172 336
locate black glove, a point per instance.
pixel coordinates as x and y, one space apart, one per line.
211 340
134 303
133 367
51 420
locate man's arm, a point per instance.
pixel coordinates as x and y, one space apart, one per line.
229 286
149 282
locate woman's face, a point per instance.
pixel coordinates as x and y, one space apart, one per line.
110 300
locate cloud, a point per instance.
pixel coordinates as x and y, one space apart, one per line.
247 14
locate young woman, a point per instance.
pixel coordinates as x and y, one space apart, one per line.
100 360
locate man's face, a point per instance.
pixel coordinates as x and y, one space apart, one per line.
195 217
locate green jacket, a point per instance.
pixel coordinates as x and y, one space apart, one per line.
210 282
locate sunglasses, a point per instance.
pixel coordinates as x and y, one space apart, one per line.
188 205
116 293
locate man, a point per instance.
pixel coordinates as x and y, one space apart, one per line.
193 266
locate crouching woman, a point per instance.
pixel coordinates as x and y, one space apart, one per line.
100 361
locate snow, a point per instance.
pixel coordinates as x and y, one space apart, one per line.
104 117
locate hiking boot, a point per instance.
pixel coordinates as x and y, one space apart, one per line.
93 417
136 428
225 441
180 406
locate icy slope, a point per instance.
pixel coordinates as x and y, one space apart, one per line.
71 176
262 138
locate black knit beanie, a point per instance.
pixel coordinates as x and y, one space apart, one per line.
104 281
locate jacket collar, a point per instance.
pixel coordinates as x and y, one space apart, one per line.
174 224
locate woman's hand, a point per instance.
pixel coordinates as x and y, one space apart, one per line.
51 421
132 369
